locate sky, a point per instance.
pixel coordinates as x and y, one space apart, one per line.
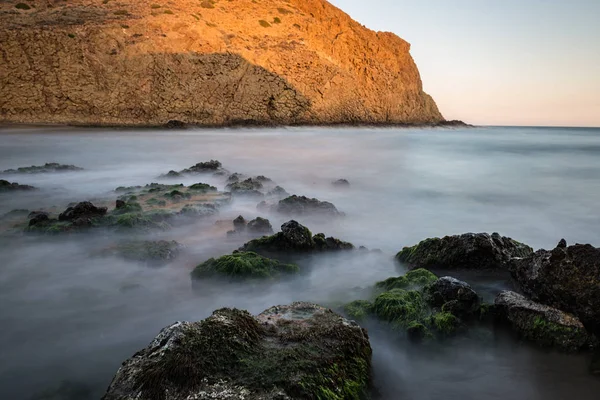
500 62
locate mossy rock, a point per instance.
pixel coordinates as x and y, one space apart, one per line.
144 221
177 194
243 265
467 251
543 325
413 279
445 323
301 351
358 309
203 188
127 207
401 307
294 238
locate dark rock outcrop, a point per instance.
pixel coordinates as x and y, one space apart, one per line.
300 351
248 187
302 205
82 211
453 296
294 238
203 167
6 186
567 278
341 183
239 224
259 226
467 251
541 324
278 192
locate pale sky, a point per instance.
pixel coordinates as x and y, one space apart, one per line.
500 62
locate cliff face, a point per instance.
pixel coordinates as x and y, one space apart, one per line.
204 62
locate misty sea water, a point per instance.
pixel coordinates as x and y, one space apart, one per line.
68 316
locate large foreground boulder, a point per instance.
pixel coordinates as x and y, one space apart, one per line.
301 351
543 325
295 238
567 278
467 251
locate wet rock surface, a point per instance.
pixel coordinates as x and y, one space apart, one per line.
6 186
295 238
567 278
541 324
467 251
302 205
299 351
452 295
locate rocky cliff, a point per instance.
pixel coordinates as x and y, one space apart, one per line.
207 62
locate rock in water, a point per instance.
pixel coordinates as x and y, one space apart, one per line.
300 351
341 183
6 186
543 325
452 295
310 64
260 226
295 238
302 205
567 278
82 211
467 251
243 265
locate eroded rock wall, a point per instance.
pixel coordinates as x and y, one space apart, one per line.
203 62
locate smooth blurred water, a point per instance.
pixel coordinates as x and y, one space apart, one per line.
68 316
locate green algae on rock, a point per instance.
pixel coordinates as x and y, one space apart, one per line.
294 238
543 325
300 351
419 304
467 251
243 265
414 278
